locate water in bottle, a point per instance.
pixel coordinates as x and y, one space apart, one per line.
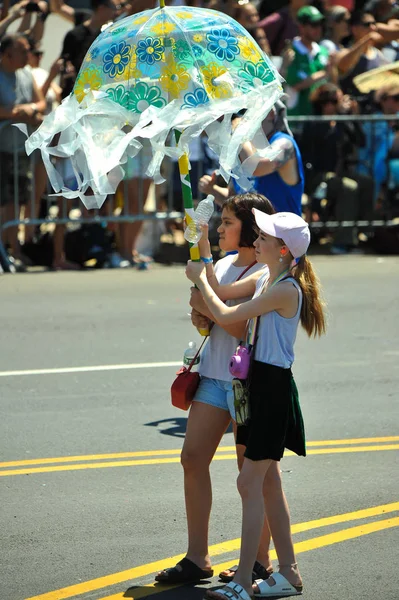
202 215
189 355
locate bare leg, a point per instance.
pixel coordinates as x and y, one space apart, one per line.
40 181
137 192
263 555
205 428
250 486
279 519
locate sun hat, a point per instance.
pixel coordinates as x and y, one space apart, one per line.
309 14
289 227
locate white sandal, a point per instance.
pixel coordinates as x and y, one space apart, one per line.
276 586
233 591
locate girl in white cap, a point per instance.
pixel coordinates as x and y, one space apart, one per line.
289 295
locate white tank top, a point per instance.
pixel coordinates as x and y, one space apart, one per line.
220 347
277 334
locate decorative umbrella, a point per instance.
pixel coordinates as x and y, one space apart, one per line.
179 70
166 70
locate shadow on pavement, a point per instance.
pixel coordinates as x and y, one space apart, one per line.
175 427
168 593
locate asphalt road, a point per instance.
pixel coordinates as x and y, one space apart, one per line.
77 524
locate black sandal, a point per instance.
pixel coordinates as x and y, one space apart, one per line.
184 572
258 572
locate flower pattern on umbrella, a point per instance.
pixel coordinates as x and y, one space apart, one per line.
256 74
215 81
163 29
116 59
187 65
174 77
197 98
120 95
182 52
150 50
222 44
142 96
89 79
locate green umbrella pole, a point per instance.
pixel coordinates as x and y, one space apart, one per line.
188 205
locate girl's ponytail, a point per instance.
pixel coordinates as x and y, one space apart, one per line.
313 319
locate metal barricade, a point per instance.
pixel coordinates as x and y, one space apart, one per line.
372 161
23 187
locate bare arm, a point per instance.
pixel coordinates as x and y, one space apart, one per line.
349 57
38 99
207 185
266 166
279 298
310 81
389 31
198 305
64 10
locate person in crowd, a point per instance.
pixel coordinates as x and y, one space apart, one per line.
234 277
131 195
18 11
285 296
337 191
362 55
380 138
247 15
386 13
78 41
337 29
281 27
69 13
21 101
281 179
311 65
45 80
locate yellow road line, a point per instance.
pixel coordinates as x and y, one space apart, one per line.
160 461
116 455
311 544
217 549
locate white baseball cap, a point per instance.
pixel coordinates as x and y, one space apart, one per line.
289 227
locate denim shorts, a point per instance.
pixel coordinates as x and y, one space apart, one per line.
216 392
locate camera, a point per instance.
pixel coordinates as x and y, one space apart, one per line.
32 7
239 362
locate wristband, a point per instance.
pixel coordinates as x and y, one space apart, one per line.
207 261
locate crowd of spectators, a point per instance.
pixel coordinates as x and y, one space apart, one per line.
319 47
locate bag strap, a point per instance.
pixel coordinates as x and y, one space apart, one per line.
206 337
198 351
245 270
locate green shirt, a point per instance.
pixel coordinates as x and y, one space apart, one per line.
305 63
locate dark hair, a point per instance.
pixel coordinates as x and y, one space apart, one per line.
9 40
97 3
241 205
358 16
327 92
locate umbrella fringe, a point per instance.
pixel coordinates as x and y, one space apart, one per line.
99 136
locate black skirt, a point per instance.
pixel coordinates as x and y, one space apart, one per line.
276 419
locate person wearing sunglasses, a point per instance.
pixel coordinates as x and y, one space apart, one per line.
337 28
363 55
310 65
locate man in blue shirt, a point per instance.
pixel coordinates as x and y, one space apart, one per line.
280 179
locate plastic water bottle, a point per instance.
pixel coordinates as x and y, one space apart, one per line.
202 215
189 355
